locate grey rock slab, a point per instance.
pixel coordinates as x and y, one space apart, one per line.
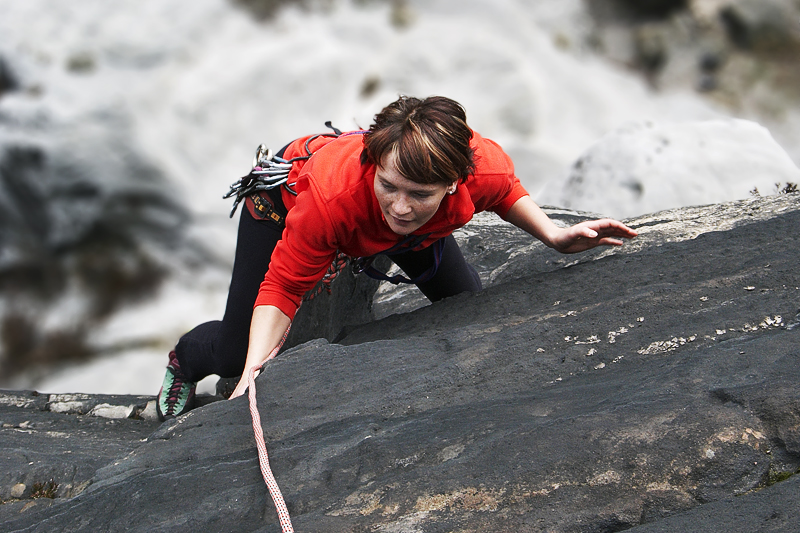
773 509
63 440
625 387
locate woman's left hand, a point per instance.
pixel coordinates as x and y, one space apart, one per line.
589 234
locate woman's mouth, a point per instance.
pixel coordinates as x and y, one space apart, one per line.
400 221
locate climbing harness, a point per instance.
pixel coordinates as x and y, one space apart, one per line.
364 264
263 457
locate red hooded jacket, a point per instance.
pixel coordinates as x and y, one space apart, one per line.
336 209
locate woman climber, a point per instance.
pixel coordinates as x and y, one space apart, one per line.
400 188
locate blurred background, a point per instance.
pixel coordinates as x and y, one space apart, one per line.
123 123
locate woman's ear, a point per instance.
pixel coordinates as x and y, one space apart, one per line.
452 188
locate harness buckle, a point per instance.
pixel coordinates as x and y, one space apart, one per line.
360 264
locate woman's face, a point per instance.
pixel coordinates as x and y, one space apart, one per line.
406 205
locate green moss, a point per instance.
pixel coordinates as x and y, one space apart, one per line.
776 477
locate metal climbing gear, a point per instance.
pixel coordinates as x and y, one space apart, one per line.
270 171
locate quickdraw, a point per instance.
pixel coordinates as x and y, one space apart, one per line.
270 171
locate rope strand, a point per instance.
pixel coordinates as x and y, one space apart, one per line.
263 456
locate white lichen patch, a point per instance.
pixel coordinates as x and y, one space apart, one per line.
612 335
768 322
594 339
360 503
647 431
406 461
661 486
469 499
666 346
406 524
733 435
57 434
449 453
605 478
754 433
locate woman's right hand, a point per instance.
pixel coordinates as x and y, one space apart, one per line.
241 387
267 328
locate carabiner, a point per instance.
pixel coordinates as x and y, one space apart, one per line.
263 154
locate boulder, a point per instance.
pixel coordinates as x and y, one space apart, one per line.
633 169
643 386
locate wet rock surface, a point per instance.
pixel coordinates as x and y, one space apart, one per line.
650 387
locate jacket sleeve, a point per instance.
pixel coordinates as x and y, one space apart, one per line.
306 249
495 187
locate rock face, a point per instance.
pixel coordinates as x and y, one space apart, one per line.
637 387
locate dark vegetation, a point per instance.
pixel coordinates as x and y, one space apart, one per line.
266 9
743 45
44 490
65 230
637 10
788 188
25 344
8 81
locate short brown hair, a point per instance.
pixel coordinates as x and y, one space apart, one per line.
430 138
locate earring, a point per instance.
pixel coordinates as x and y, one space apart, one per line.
452 190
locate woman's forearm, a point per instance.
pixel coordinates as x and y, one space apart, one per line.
526 215
582 236
266 331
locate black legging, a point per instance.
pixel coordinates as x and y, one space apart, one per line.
220 347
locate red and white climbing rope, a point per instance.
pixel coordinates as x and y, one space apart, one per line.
263 457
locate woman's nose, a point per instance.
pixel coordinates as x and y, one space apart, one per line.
401 205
